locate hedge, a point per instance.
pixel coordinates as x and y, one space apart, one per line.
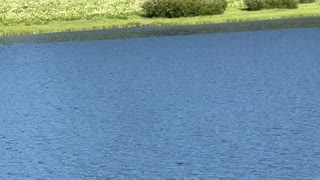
255 5
306 1
183 8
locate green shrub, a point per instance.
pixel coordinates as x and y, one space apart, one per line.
306 1
254 5
183 8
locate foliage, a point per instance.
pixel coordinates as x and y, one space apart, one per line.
19 17
255 5
37 12
162 8
236 3
306 1
234 13
183 8
43 11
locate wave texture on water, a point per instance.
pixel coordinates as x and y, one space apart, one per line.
237 105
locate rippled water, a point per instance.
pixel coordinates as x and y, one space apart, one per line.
238 105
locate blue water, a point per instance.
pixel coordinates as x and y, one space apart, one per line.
233 106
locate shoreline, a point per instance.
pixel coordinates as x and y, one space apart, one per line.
140 32
233 14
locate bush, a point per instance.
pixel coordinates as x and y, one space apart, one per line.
306 1
254 5
183 8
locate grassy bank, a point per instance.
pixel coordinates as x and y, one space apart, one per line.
21 17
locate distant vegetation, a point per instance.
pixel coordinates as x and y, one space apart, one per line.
255 5
43 11
183 8
19 17
307 1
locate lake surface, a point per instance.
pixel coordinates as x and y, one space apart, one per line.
235 106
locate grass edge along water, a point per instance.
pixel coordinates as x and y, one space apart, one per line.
85 15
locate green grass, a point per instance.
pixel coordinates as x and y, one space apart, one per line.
73 18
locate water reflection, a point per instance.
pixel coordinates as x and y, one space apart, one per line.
163 31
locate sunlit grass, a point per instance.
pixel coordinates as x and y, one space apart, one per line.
106 14
30 12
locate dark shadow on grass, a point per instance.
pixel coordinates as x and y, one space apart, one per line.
246 9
